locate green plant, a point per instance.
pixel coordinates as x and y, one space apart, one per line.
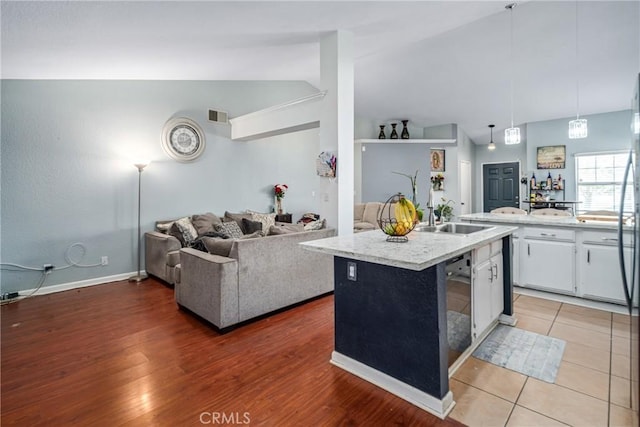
444 210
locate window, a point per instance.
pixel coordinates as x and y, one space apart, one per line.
599 182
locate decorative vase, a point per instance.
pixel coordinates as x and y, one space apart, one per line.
394 133
437 185
381 135
279 205
405 132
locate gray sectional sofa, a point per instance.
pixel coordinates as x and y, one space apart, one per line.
240 279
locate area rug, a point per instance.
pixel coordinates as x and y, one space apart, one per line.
458 330
522 351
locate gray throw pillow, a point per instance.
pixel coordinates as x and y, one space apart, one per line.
237 217
315 225
231 229
164 226
204 223
285 229
217 246
249 226
175 232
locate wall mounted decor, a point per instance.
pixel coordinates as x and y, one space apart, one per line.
326 165
437 160
183 139
551 157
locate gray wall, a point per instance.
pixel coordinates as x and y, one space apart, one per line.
607 132
67 175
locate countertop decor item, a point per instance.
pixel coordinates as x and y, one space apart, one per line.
397 218
414 192
444 210
381 135
405 132
394 133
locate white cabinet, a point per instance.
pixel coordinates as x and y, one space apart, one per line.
487 283
547 259
599 266
515 258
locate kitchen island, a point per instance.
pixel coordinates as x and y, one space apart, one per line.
391 305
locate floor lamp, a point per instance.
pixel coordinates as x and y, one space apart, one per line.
139 277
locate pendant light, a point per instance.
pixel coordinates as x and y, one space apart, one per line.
492 145
511 135
578 127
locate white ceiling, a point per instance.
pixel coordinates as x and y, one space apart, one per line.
432 62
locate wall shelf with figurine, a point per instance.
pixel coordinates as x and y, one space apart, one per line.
405 141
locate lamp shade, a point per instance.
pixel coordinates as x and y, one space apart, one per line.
578 129
512 136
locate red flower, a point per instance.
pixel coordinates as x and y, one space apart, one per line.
280 189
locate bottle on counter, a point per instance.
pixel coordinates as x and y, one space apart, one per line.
533 181
549 181
560 182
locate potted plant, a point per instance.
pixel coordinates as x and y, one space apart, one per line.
444 210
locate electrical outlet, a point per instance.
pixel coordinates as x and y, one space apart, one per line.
105 260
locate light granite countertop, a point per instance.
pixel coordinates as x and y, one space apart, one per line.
540 220
423 249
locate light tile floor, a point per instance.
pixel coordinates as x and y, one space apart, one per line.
592 387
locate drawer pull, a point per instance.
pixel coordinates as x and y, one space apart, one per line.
588 256
609 239
548 235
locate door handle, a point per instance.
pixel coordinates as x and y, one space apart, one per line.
491 271
528 249
496 267
588 256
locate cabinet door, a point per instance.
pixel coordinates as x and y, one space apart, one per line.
548 265
600 276
515 262
497 287
481 303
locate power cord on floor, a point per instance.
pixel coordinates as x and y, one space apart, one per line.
47 269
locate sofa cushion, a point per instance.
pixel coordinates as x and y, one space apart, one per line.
267 219
189 233
204 223
218 246
363 226
371 211
173 258
230 229
164 226
315 225
358 211
249 226
285 229
237 217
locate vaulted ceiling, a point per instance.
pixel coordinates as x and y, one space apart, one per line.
432 62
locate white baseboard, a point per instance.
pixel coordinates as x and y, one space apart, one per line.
79 284
429 403
598 305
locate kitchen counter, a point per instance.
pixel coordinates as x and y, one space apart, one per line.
542 220
423 249
391 306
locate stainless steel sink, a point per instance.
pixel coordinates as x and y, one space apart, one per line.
453 227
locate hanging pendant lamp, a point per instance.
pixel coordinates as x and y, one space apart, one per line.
578 127
512 134
492 145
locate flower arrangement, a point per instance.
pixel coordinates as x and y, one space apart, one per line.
437 178
279 190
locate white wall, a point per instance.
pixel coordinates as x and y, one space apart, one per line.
67 175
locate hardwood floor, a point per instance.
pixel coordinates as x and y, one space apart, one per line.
123 354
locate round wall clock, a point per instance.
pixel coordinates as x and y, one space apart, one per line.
182 139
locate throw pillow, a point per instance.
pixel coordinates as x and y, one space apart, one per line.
231 229
175 232
217 246
249 226
285 229
164 226
315 225
237 217
189 233
253 235
267 219
204 223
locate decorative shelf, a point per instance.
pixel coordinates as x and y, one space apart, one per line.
405 141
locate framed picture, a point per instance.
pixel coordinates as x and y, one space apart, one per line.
437 160
551 157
